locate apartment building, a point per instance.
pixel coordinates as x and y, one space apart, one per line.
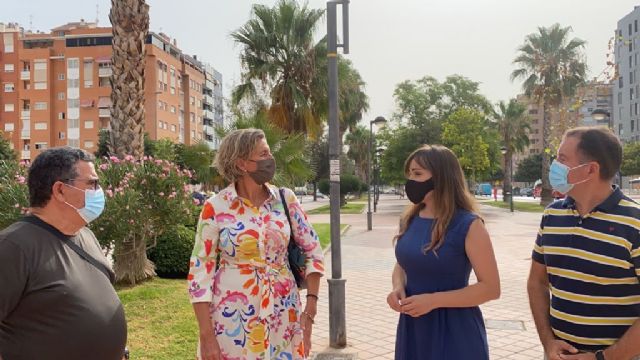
56 88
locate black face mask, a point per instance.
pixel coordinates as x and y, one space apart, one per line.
417 190
265 170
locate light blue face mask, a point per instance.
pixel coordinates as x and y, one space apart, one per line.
93 204
558 177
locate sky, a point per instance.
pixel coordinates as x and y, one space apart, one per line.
391 41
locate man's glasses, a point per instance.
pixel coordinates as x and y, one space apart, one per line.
93 183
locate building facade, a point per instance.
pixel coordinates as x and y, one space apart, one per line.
56 88
626 117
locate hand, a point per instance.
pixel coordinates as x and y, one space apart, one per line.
307 327
209 347
395 298
418 305
559 349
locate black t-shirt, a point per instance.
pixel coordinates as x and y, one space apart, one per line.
53 303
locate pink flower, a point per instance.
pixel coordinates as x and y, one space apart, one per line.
104 167
161 194
129 158
196 202
109 193
145 158
20 179
16 206
158 162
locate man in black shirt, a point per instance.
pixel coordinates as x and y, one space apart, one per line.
57 301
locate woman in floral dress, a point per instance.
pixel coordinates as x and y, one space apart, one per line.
244 295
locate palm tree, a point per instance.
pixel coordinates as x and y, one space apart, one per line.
358 141
353 101
512 124
130 24
292 164
552 66
279 54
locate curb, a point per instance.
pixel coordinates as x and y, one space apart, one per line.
346 228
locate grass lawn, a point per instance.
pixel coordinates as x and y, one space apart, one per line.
160 318
350 208
324 233
517 205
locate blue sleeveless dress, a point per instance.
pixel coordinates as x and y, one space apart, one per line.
444 333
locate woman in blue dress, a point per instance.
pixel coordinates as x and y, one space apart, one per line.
441 239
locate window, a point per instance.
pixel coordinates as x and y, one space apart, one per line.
620 82
61 135
60 96
8 42
40 106
173 128
8 127
192 100
73 103
9 87
61 76
193 134
88 144
173 109
633 125
40 126
103 82
193 117
635 25
73 143
73 83
88 73
8 68
61 116
619 98
630 46
159 104
9 107
629 29
73 63
636 108
73 123
41 146
40 86
88 124
630 61
631 77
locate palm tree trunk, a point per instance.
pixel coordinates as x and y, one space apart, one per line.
130 24
545 195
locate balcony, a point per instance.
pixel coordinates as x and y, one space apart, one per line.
104 72
25 75
26 155
207 114
104 113
25 134
25 114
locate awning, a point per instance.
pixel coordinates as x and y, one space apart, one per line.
103 59
104 102
86 103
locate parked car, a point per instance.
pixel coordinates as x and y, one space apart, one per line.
526 192
320 195
484 189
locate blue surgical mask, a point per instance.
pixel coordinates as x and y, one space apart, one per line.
558 177
93 204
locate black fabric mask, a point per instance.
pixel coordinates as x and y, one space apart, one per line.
265 171
417 190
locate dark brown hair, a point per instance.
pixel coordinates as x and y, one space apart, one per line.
599 144
450 190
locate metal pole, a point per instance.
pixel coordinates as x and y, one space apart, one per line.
369 170
337 311
511 181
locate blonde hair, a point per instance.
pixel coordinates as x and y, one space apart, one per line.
450 191
238 144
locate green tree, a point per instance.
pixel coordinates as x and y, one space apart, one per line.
165 149
529 169
551 66
463 133
512 123
353 101
6 152
631 159
278 57
319 161
292 161
197 158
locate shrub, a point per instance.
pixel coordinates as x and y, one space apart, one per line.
172 251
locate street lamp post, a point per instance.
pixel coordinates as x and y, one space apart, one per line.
379 121
510 190
376 178
337 309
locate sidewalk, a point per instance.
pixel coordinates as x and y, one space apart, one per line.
367 263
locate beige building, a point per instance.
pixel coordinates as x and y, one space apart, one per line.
56 88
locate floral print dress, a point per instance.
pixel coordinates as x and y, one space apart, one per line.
255 304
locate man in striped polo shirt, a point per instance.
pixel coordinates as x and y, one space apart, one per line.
584 284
